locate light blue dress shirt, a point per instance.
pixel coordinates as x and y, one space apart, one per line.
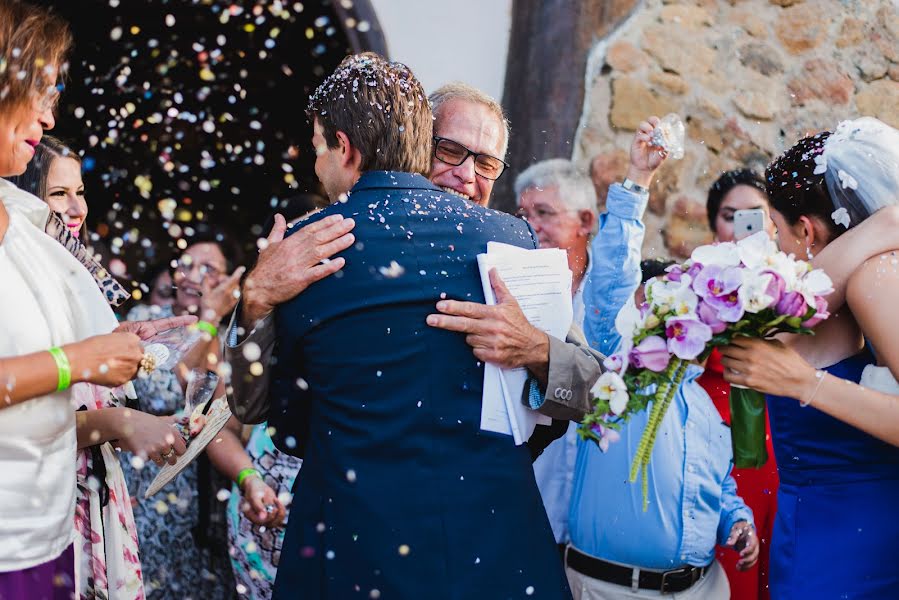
692 497
615 266
616 244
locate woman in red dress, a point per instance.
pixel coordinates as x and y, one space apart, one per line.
739 190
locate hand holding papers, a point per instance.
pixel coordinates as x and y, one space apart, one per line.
540 281
216 418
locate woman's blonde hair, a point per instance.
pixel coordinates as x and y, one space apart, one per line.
34 43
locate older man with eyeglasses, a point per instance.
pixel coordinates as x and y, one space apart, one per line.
467 123
558 200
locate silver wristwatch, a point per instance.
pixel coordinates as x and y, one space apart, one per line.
633 187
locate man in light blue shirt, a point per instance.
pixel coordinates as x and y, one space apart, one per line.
692 506
617 550
559 202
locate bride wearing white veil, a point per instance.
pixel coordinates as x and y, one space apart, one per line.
833 397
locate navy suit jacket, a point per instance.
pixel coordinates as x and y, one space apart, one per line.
400 490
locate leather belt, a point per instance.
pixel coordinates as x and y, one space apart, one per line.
666 582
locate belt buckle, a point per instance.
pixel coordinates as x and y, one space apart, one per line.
681 571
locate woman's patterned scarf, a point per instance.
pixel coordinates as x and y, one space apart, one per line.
112 290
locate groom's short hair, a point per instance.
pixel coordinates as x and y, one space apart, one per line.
383 110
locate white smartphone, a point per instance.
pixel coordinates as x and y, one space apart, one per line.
747 222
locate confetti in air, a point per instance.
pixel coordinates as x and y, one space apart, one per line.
188 113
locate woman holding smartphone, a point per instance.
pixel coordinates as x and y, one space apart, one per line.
737 206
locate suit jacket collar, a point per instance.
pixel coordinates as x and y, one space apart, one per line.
392 180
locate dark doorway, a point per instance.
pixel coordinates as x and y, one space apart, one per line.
191 112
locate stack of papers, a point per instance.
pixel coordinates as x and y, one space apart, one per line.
540 280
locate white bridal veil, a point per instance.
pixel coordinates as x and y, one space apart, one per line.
860 162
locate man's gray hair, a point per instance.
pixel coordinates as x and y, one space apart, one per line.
462 91
575 187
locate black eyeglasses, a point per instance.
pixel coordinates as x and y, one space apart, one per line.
454 153
185 266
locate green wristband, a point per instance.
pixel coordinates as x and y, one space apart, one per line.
246 473
208 328
63 368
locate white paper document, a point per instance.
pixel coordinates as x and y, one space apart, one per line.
540 280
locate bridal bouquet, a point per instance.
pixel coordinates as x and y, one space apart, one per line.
748 288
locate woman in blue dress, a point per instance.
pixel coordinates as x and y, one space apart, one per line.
833 397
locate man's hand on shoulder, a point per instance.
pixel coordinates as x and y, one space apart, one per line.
498 334
288 266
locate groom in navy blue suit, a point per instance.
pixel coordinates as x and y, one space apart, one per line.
401 494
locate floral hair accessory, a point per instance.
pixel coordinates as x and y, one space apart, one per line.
841 217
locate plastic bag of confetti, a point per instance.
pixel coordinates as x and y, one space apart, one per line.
165 349
669 135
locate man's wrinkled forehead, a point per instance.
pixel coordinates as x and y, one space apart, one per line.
471 124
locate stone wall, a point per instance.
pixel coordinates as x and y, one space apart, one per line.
748 77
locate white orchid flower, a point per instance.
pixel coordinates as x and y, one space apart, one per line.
685 302
753 293
611 387
724 254
756 249
628 319
785 266
677 296
820 164
815 283
841 216
801 268
657 292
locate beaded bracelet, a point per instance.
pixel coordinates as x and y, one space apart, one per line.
63 368
248 472
819 375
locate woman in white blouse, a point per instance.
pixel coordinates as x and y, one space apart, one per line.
53 336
